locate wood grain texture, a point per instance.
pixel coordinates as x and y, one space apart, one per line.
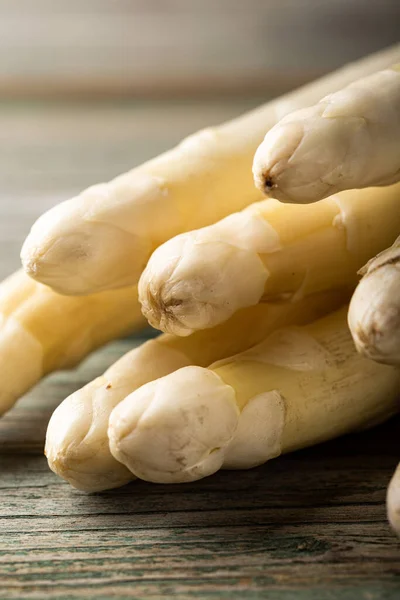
308 526
147 47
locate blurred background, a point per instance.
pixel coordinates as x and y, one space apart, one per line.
90 88
180 47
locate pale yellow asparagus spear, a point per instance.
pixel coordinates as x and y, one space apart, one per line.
269 250
350 139
301 386
76 442
103 238
41 331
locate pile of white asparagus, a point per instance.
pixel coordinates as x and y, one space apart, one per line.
257 357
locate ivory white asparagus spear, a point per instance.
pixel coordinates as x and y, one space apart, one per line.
350 139
393 501
103 238
374 312
76 442
269 250
41 331
374 322
301 386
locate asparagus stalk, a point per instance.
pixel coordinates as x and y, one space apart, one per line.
268 251
374 312
41 331
301 386
76 442
103 238
393 501
350 139
374 322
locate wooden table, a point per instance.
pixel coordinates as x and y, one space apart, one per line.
306 526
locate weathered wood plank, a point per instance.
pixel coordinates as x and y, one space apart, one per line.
310 523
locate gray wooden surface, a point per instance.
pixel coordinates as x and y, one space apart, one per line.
173 47
308 526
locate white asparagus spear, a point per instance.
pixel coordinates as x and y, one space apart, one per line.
301 386
350 139
103 238
393 501
374 312
42 331
374 322
76 442
269 250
